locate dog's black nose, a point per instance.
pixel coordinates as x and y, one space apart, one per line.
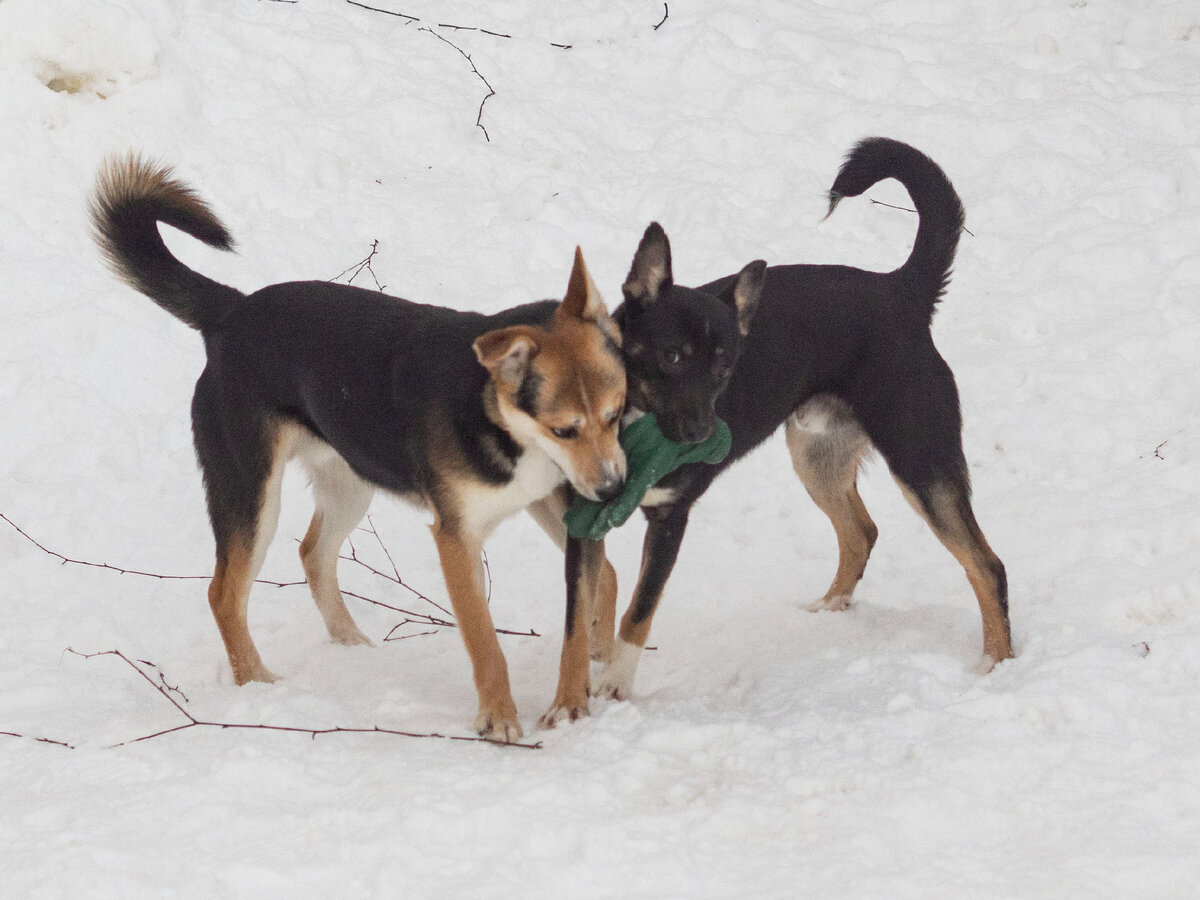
610 489
693 432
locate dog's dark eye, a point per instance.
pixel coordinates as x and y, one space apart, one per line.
670 358
565 434
611 418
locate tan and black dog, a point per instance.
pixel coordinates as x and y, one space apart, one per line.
472 416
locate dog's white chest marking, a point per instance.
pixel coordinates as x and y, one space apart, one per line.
534 476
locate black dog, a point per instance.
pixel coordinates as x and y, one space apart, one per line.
844 357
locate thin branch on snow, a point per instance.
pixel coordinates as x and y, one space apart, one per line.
359 266
192 722
446 25
386 12
40 740
666 12
491 90
421 618
906 209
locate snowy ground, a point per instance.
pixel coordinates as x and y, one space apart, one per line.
767 752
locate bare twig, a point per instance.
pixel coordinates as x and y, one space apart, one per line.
446 25
906 209
40 740
666 12
422 617
359 266
386 12
193 722
491 91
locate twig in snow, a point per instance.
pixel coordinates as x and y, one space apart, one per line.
386 12
39 740
425 619
193 722
491 91
359 266
906 209
666 12
446 25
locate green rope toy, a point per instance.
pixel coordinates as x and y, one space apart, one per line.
650 456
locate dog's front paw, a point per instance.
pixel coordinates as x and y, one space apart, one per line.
616 680
564 712
830 603
253 671
350 636
502 728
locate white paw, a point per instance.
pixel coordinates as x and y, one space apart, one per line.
616 679
830 604
350 636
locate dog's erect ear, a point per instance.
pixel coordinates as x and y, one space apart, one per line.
650 273
506 353
744 292
583 300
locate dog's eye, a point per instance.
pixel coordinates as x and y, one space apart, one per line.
611 418
670 357
565 434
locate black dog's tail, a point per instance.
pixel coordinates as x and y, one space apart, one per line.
927 270
132 196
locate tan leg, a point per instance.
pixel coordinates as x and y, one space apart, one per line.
229 591
827 446
460 556
948 512
342 499
228 594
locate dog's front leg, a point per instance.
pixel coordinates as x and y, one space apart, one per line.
601 608
583 565
461 565
664 534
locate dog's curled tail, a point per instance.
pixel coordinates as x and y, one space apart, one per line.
927 270
131 197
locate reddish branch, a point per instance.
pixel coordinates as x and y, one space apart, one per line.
412 617
164 690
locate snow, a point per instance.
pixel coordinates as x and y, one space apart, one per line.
766 751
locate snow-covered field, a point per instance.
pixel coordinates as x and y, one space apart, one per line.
767 752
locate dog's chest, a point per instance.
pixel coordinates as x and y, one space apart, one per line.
534 476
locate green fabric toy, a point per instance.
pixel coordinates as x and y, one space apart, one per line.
650 456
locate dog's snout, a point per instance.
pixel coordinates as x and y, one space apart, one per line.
693 431
610 488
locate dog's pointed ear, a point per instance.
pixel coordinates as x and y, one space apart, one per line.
583 300
743 293
650 273
506 353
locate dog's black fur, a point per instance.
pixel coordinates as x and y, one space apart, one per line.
844 356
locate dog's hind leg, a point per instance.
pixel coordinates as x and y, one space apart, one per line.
946 506
243 464
827 445
917 427
600 606
341 499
